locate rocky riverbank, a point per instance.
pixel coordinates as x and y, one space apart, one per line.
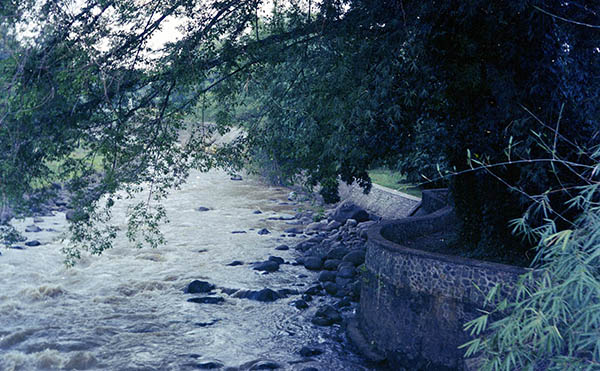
332 250
278 285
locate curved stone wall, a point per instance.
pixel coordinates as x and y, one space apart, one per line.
381 201
414 303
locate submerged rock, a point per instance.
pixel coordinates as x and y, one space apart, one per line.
207 300
33 243
326 316
202 208
310 351
235 263
33 229
282 248
263 231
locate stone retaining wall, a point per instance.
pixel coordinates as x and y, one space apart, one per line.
414 303
381 201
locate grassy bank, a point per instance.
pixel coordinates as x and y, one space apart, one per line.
394 180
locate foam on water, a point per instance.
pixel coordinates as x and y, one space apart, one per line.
126 310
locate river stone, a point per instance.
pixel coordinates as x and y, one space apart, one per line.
326 315
267 266
347 210
265 365
345 271
316 226
199 287
209 365
326 276
312 263
331 288
350 223
314 290
263 231
286 292
207 300
235 263
257 212
301 304
236 177
33 228
16 247
33 243
294 230
282 248
331 264
356 257
307 297
337 253
264 295
310 351
237 232
202 208
276 259
334 224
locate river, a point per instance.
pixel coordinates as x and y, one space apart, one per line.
126 309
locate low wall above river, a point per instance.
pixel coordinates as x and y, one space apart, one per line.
414 303
382 201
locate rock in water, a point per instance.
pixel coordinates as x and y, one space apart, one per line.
263 231
207 300
33 243
236 177
267 266
199 287
310 351
33 228
326 316
264 295
202 208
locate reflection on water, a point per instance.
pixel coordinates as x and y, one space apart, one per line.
126 309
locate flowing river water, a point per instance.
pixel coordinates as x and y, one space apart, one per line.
126 309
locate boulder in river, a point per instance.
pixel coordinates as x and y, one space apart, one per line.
33 243
202 208
207 300
282 248
211 365
263 231
326 315
310 351
33 228
264 295
236 177
276 259
199 287
235 263
267 266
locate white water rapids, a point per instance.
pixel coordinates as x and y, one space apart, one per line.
126 310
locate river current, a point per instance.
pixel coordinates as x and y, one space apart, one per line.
126 309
